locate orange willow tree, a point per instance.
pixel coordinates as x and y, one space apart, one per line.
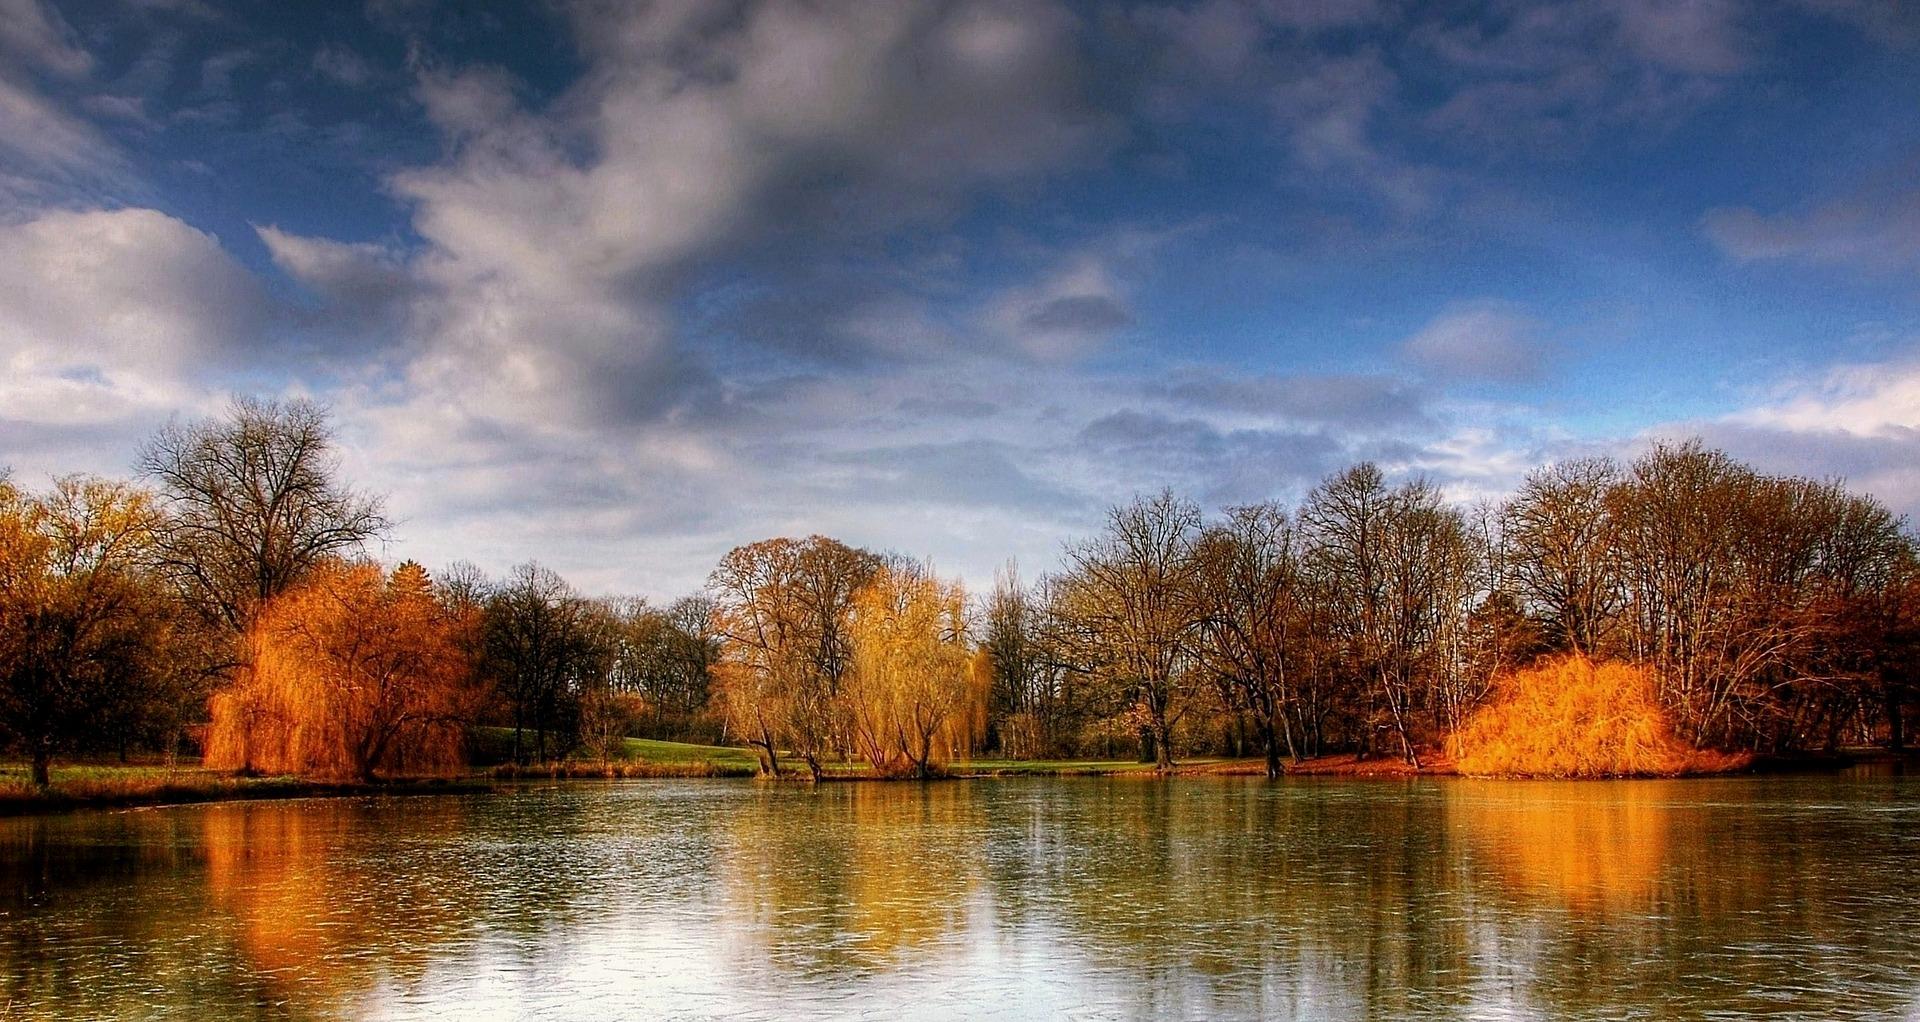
354 674
912 696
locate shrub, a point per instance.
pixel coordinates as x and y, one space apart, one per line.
1570 717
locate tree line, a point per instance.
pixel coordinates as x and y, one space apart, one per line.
227 600
1775 614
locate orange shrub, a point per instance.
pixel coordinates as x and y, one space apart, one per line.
1570 717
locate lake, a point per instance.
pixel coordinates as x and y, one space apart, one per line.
1029 898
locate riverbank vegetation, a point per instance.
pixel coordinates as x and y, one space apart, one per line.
1676 613
1569 717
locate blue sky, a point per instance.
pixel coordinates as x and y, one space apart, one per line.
617 286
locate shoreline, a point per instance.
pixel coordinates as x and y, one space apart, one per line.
141 787
194 791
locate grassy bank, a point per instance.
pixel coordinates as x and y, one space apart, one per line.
119 785
645 757
1061 767
115 785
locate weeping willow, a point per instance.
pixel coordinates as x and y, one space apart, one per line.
353 675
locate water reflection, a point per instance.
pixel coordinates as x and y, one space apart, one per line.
873 872
317 911
1123 898
1597 848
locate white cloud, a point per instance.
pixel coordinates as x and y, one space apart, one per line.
1859 422
33 34
1694 36
110 321
552 235
343 66
1478 341
1068 314
41 142
124 293
363 293
1877 232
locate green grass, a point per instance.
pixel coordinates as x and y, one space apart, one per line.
655 751
115 784
125 784
1045 767
493 746
729 759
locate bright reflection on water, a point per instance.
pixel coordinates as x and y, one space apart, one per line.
1122 898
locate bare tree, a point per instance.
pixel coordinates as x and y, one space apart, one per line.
1249 593
1131 591
663 660
1565 558
253 503
1388 565
542 645
1022 700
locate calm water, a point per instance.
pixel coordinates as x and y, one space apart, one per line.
1122 898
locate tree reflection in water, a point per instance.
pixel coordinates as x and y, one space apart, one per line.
1122 897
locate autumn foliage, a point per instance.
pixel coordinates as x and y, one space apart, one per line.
353 674
911 686
1570 717
1593 852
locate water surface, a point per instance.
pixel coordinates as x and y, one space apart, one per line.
1069 898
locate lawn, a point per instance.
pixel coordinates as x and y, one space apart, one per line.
126 784
730 758
1046 767
117 784
655 751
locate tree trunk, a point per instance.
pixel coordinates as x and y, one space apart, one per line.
42 765
1162 748
1269 744
1399 721
1896 724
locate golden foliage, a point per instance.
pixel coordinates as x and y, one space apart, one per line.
301 888
352 674
1590 848
91 648
1570 717
911 683
782 607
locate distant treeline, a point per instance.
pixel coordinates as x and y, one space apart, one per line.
225 599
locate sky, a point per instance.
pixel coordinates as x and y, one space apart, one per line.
618 286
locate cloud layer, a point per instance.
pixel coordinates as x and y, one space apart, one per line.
618 286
